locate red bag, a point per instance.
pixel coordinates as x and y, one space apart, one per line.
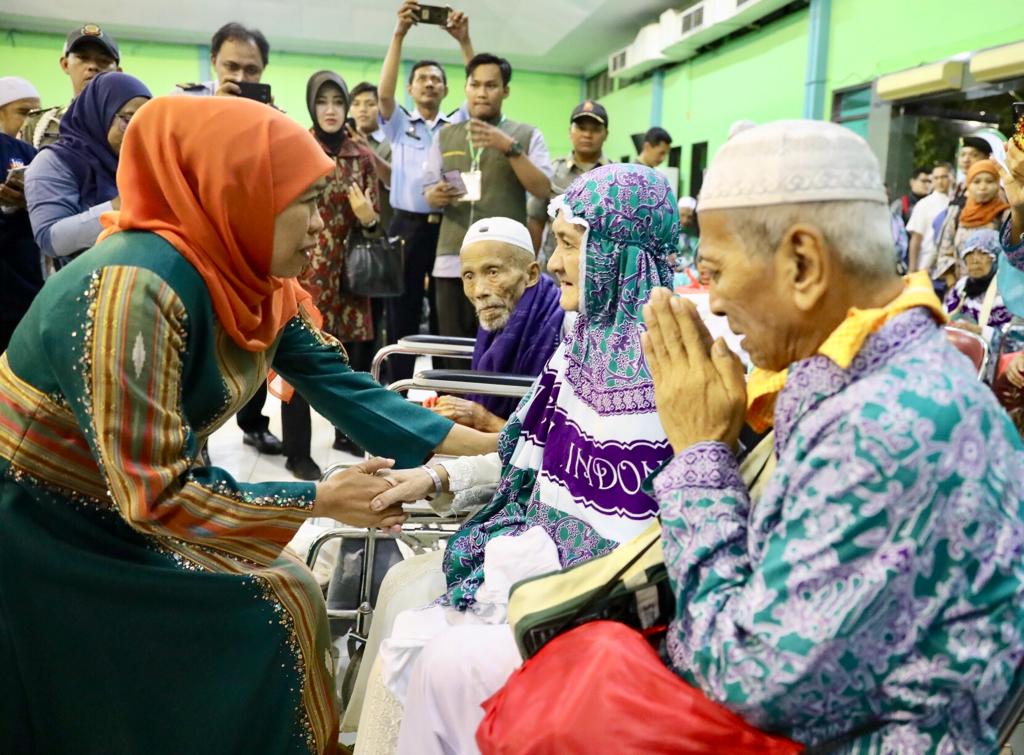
602 688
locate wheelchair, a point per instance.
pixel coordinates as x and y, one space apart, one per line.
366 555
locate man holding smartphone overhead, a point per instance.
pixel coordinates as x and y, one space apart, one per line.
480 168
410 135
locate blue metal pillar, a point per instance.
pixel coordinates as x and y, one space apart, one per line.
817 59
657 96
205 70
402 85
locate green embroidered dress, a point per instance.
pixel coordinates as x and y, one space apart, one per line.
145 603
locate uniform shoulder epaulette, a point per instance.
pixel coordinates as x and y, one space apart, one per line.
192 87
41 110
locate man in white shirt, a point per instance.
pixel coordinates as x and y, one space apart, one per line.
922 236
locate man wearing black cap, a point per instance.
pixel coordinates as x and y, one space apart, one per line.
88 51
588 130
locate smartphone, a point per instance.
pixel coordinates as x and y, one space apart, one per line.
16 176
454 178
1018 124
351 123
258 92
433 14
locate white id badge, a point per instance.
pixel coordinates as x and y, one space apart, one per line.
473 180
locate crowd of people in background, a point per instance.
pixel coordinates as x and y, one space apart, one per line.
858 588
391 179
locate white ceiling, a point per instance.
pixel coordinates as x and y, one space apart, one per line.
570 36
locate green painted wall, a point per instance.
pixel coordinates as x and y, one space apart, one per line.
542 99
629 112
870 38
758 77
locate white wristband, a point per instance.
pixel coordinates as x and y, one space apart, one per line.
435 477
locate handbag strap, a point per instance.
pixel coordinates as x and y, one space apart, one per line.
988 303
605 590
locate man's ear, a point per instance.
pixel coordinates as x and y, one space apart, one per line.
532 274
804 265
64 63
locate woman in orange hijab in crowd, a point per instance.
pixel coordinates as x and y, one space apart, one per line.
985 207
145 601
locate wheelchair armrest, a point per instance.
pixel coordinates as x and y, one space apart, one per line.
425 345
452 342
471 381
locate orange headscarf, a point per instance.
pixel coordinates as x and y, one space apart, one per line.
209 175
974 214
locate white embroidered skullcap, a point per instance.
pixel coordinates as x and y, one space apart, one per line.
16 88
787 162
687 203
505 230
739 126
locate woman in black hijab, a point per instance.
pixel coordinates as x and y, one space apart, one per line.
349 201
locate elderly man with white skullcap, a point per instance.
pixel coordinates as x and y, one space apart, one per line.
874 596
872 601
20 268
521 322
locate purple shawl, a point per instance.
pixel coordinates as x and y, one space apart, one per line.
524 345
83 145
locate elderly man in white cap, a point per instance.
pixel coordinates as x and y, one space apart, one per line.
871 601
874 597
18 98
520 318
20 267
688 232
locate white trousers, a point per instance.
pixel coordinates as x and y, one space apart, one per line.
455 673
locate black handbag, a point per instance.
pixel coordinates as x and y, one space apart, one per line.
374 264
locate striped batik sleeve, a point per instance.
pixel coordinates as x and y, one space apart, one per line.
142 441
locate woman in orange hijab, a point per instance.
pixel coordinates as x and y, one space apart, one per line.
145 601
986 207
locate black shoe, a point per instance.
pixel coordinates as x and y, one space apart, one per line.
264 441
303 469
346 444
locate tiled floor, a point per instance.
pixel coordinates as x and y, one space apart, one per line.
246 464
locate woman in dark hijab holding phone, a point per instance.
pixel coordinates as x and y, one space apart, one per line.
349 201
73 181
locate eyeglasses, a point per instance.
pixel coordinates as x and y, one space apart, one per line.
124 119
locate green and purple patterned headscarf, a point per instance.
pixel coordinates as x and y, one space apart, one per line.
632 225
576 452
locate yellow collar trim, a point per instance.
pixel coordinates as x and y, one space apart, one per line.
842 345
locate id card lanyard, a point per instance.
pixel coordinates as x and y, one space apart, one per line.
474 179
